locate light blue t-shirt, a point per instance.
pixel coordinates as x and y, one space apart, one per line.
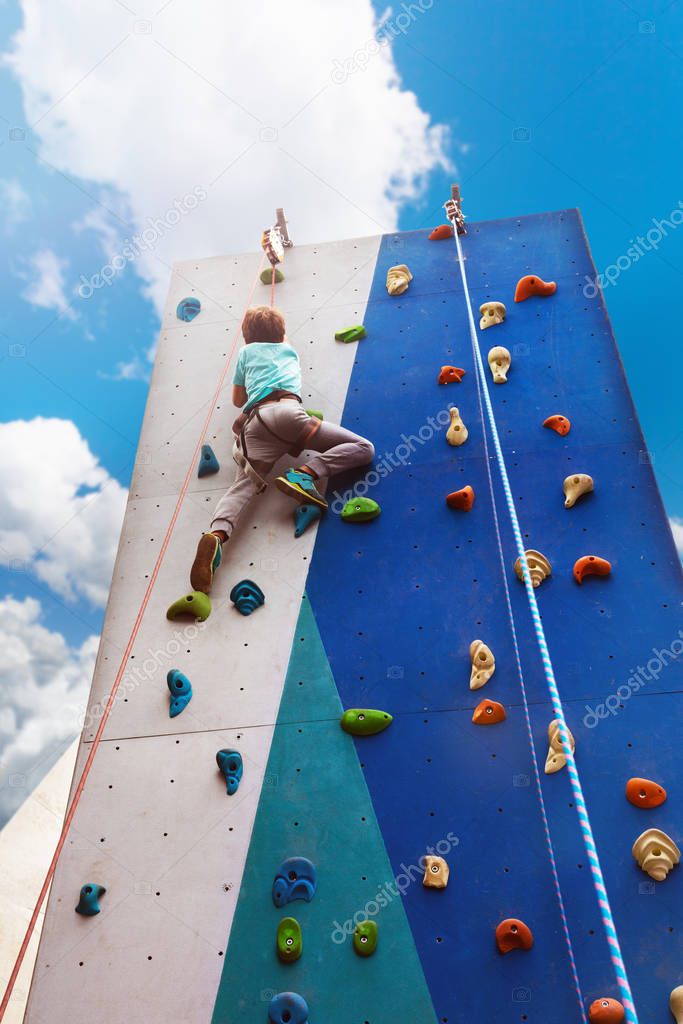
263 367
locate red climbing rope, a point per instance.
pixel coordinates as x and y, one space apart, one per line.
119 675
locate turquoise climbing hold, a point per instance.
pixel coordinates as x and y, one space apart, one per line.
89 902
297 879
208 463
288 1008
365 721
288 940
304 515
349 334
188 309
365 938
230 764
196 604
181 691
360 510
247 596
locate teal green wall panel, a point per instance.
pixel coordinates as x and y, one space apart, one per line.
315 804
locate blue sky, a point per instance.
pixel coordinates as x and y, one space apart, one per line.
530 108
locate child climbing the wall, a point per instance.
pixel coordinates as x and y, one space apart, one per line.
267 385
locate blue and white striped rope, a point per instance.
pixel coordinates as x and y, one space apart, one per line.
584 820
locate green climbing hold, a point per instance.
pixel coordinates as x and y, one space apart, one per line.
267 276
289 944
365 721
316 413
365 938
195 604
360 510
349 334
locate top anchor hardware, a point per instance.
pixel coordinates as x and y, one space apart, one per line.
453 210
275 240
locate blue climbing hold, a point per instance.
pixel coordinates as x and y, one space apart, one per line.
304 515
89 902
288 1008
208 463
187 309
181 691
297 879
247 596
230 764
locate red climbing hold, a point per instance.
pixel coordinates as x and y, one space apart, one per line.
441 232
463 499
451 375
591 565
513 934
489 712
606 1011
645 793
532 284
560 424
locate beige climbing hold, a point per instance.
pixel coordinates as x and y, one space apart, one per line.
556 759
499 361
656 853
539 567
457 433
398 279
492 313
575 487
676 1003
483 664
436 873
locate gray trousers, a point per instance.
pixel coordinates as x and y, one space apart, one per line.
338 450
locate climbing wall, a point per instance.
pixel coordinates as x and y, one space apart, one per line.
381 615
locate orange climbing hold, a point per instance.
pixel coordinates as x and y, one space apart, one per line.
462 499
513 934
441 232
489 712
560 424
606 1011
451 375
532 284
645 793
591 565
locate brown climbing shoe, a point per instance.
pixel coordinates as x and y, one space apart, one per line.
206 561
301 487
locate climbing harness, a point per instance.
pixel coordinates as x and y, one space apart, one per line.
455 216
111 697
239 449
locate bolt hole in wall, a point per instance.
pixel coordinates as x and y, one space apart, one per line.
418 555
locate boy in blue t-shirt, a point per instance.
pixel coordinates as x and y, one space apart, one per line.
267 386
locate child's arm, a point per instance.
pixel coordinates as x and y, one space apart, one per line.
239 395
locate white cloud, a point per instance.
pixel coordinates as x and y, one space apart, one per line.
46 286
60 511
246 102
45 685
15 203
677 530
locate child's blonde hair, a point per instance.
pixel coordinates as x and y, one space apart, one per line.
263 323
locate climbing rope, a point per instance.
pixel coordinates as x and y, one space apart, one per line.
584 820
119 675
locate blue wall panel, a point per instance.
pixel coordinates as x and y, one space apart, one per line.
398 601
